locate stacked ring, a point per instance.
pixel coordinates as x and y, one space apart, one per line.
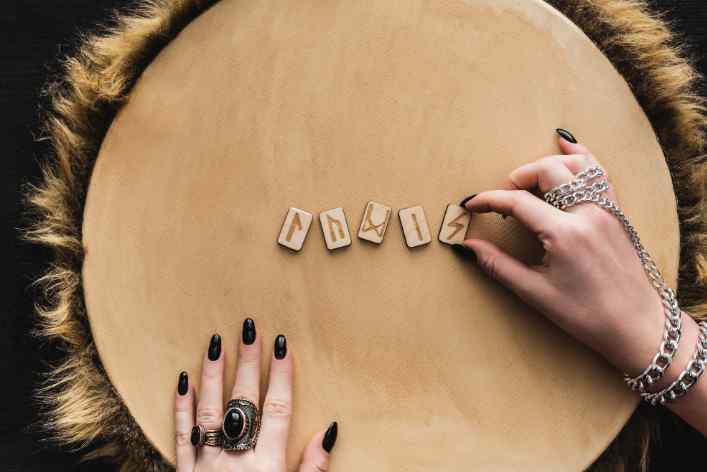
200 436
580 182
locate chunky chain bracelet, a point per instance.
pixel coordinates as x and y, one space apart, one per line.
662 359
688 378
580 190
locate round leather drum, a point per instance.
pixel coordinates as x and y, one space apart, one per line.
258 106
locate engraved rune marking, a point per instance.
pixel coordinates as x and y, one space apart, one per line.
369 225
294 229
335 224
454 224
457 225
335 228
374 223
417 226
296 225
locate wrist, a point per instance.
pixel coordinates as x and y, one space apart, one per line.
637 345
636 340
686 349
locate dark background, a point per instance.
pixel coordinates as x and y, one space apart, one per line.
33 35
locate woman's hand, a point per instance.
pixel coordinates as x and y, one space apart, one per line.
269 453
591 282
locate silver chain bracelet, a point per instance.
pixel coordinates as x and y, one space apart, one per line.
578 191
661 361
688 377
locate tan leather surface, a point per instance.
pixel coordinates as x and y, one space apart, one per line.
427 364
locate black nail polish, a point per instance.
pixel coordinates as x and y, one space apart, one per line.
566 135
215 347
330 437
464 252
463 202
183 385
280 347
248 334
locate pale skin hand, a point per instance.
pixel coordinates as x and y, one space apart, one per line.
590 283
269 454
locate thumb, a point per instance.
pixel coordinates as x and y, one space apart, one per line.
316 454
522 280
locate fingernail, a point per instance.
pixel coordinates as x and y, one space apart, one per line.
464 252
195 435
248 331
280 347
183 385
463 202
215 347
330 437
566 135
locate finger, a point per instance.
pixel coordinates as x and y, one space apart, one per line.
526 177
277 407
183 422
247 384
316 454
209 411
569 147
524 281
543 174
529 210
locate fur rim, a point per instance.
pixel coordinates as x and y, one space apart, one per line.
81 408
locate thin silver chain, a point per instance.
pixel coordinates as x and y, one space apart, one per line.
578 191
578 183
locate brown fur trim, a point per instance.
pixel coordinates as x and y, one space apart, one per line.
81 407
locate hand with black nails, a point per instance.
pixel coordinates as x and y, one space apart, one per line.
269 452
590 282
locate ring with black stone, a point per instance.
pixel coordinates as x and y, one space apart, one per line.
200 436
241 424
